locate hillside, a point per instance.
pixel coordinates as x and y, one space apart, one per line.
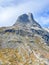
24 43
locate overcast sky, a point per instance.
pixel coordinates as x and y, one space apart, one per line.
11 9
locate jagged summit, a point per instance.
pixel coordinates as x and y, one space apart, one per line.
30 16
27 19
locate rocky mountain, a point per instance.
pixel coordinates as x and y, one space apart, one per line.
24 43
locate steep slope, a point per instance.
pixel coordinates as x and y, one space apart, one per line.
24 43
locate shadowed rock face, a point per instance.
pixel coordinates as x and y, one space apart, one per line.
23 18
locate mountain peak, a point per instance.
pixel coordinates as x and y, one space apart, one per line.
30 15
27 19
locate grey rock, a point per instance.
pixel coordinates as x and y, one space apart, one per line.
27 19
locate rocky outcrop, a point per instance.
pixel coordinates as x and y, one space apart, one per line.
27 19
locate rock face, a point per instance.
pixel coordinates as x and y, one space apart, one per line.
27 19
24 43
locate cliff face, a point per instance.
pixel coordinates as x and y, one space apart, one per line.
24 43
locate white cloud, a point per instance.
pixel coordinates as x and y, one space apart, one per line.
5 16
8 15
44 21
1 1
